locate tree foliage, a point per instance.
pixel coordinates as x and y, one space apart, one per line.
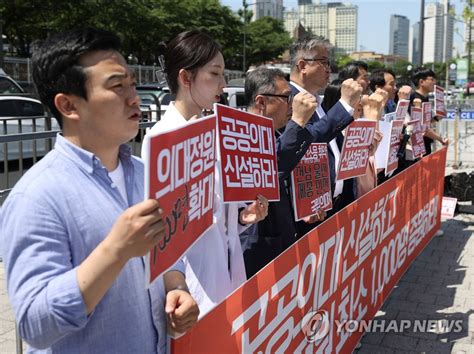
142 25
267 39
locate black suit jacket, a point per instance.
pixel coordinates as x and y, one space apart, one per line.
278 230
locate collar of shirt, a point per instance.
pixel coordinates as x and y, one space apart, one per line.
86 159
319 109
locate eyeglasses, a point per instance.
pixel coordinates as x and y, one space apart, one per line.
324 62
289 98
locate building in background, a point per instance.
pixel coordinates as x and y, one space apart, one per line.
414 44
399 36
435 34
335 21
271 8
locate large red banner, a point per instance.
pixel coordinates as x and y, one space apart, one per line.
309 298
310 181
248 155
396 127
355 151
179 173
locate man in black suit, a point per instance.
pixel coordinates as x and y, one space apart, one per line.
310 71
268 93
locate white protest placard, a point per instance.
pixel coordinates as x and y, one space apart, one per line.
448 206
381 154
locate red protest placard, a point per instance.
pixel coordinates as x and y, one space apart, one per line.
427 115
402 109
311 184
179 173
355 151
439 104
248 155
416 136
320 295
395 131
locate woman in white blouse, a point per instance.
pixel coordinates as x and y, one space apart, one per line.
194 67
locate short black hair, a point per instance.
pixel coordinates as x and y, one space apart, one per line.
189 50
332 94
259 81
56 67
351 70
377 78
421 73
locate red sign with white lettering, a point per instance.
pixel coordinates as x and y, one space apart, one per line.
402 109
396 127
248 155
310 181
439 104
416 138
355 151
427 115
179 170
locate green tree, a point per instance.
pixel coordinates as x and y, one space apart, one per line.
374 65
266 40
342 61
142 24
400 68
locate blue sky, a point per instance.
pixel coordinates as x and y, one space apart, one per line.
374 19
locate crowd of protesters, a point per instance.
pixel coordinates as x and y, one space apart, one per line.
75 227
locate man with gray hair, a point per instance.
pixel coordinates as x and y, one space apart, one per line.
310 70
268 94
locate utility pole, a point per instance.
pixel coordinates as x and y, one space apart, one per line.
469 45
244 64
1 42
445 46
422 30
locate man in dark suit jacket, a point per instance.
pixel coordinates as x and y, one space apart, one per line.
269 94
310 70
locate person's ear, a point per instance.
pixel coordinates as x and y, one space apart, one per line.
260 104
67 105
301 65
185 77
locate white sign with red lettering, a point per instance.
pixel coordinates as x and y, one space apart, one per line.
448 207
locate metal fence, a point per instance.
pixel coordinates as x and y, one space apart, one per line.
20 70
458 126
25 140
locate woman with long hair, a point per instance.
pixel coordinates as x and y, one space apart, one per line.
194 67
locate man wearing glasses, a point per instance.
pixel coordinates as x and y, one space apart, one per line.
268 93
310 71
